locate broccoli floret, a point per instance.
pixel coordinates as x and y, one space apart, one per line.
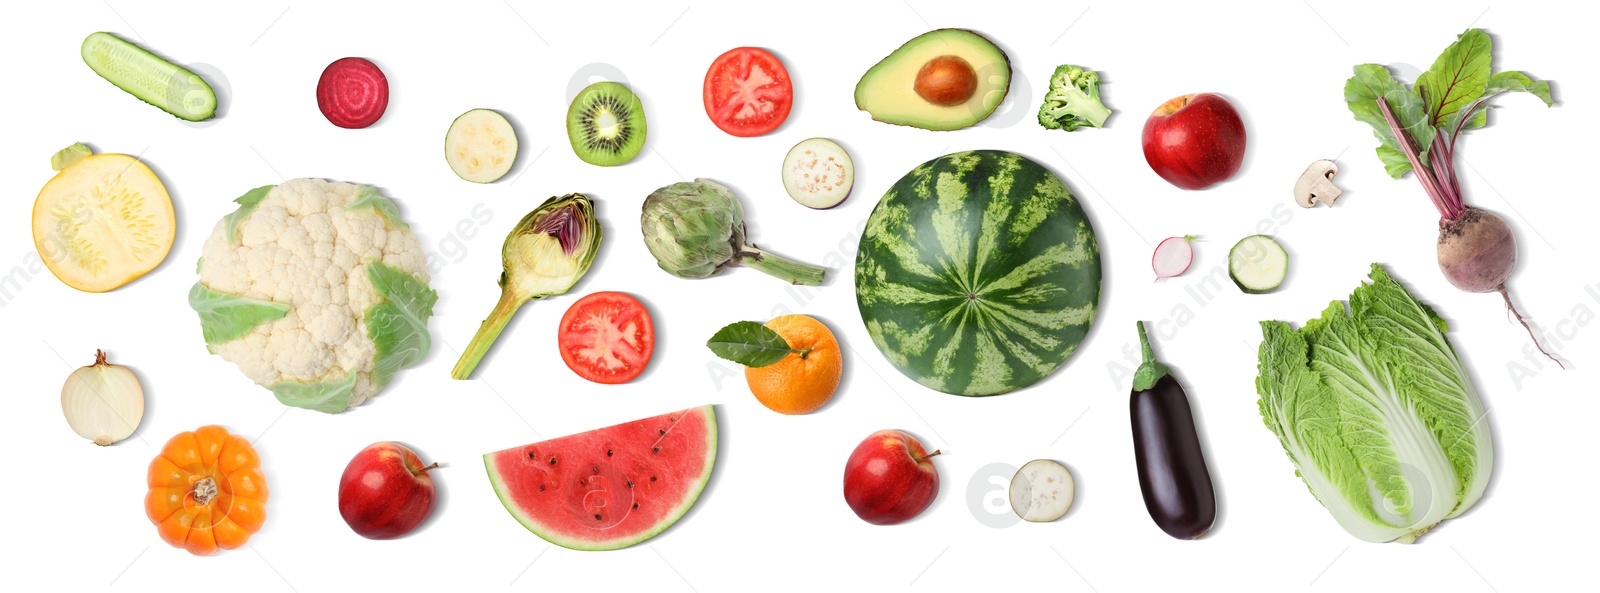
1073 100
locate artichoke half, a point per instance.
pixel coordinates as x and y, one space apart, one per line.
545 255
694 228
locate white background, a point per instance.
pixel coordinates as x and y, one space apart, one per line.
773 517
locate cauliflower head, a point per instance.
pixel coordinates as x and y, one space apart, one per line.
316 290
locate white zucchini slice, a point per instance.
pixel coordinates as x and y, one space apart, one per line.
1042 491
480 146
818 173
1258 264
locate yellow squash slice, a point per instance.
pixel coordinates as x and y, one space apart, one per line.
104 220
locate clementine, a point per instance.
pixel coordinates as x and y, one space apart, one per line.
803 381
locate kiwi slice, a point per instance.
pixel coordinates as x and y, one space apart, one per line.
606 124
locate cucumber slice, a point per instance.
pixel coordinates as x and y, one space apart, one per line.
153 80
480 146
1258 264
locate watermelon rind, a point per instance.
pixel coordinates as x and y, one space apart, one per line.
672 516
978 273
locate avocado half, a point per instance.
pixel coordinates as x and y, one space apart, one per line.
887 89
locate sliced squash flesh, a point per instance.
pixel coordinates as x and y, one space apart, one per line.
102 222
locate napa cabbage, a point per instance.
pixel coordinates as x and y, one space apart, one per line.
1377 413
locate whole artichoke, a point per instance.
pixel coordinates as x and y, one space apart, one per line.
694 228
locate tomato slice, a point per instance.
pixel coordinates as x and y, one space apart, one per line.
607 337
747 92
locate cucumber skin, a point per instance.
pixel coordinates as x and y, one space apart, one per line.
1235 278
1246 289
176 70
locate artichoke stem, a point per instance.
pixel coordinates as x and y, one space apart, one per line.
792 271
487 334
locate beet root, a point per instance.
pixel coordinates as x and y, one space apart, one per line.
353 93
1477 253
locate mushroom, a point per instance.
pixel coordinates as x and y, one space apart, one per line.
1316 184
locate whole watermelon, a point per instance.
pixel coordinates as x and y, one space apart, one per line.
978 273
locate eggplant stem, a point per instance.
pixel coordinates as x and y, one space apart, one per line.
1513 308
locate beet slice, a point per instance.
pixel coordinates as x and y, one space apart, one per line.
353 93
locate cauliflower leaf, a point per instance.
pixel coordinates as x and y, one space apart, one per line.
399 325
330 397
225 317
247 206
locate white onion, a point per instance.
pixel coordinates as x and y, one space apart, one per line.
103 402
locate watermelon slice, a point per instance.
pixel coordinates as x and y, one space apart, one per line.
611 487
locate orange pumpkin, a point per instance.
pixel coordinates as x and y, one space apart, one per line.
207 491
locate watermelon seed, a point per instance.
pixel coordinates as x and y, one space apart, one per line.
596 468
636 506
552 460
608 452
541 487
656 449
663 431
597 516
652 478
630 483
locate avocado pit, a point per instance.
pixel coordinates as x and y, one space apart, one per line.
946 81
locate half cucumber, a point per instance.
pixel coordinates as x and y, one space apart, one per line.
480 146
153 80
1258 264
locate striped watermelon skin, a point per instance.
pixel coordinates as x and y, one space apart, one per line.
978 273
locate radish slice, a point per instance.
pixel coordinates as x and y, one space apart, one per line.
353 93
1042 491
1172 257
818 173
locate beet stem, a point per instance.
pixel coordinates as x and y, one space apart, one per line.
1425 176
1444 161
1513 308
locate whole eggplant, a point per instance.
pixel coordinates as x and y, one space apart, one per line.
1172 468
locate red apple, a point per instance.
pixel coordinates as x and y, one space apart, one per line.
1194 141
890 478
385 492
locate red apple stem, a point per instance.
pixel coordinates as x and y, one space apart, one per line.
425 470
935 452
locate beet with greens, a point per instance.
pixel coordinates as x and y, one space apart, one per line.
1417 129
